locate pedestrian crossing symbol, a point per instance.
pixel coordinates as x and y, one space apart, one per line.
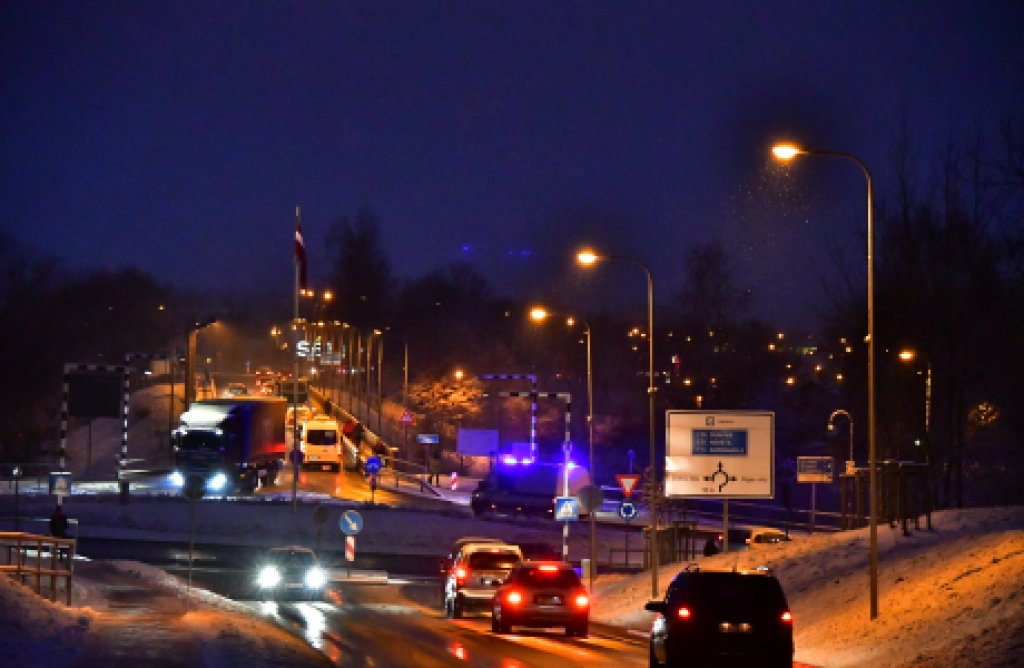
567 508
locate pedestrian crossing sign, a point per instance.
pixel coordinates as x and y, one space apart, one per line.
567 508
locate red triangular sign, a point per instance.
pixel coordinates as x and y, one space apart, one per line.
406 418
627 481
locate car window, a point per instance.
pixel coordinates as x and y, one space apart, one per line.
535 577
292 559
724 592
493 561
322 437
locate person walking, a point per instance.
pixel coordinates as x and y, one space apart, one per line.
710 549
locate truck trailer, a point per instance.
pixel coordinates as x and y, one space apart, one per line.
235 443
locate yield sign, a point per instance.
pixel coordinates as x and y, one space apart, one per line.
406 417
628 481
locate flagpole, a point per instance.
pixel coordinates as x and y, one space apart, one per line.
295 386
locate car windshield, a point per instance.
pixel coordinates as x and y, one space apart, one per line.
723 592
493 561
292 558
321 437
536 577
200 441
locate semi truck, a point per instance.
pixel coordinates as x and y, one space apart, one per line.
235 443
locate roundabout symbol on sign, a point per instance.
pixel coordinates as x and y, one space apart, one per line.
628 510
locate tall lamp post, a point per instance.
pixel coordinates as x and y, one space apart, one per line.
539 314
832 426
787 152
587 258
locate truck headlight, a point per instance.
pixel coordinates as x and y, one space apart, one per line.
218 481
315 578
176 479
269 577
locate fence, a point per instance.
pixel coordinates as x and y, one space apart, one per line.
17 549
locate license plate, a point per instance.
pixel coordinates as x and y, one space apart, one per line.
327 467
549 600
313 458
294 585
261 472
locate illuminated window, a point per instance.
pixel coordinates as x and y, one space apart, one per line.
791 381
839 376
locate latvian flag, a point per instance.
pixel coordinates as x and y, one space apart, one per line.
300 251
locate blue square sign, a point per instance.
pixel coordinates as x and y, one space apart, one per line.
567 508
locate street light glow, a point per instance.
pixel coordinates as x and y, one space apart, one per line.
459 374
538 313
587 257
907 355
328 295
786 151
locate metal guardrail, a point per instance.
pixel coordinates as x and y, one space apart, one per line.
17 546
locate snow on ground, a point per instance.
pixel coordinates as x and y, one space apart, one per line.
35 632
951 596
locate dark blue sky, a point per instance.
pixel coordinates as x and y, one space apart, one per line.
180 136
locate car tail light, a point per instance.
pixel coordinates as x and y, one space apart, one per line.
548 568
582 601
683 613
514 598
787 617
461 573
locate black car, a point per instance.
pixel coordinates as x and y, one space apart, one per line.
722 618
542 594
290 572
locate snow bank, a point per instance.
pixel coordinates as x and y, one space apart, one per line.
951 596
37 632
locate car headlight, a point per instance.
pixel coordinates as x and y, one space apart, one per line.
176 479
218 481
269 577
315 578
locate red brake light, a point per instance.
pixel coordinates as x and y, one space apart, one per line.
514 598
548 568
461 573
684 613
787 616
582 601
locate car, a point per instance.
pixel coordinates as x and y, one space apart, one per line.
304 415
446 562
715 617
767 536
478 570
292 571
236 390
265 371
321 443
542 594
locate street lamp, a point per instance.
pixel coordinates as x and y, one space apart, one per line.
832 427
539 314
588 258
786 152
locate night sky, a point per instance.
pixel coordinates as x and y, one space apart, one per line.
179 136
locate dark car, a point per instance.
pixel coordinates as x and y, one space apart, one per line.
542 594
722 618
290 572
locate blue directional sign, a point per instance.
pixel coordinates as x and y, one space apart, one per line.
60 483
567 508
427 438
351 522
372 465
628 510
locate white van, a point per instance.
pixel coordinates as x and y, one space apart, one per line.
321 444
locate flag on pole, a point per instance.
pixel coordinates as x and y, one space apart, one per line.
300 251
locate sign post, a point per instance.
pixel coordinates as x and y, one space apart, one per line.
814 470
351 523
195 489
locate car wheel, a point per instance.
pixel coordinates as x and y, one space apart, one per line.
457 611
652 661
447 608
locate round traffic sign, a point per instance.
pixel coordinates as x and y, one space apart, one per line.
591 498
351 522
372 464
628 510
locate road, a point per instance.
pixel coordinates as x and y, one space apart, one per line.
400 624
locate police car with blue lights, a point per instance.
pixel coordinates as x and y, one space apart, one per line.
521 486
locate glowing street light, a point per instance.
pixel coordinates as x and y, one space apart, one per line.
588 258
788 151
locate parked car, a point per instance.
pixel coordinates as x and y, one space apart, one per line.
766 536
542 594
236 390
479 569
290 572
714 617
